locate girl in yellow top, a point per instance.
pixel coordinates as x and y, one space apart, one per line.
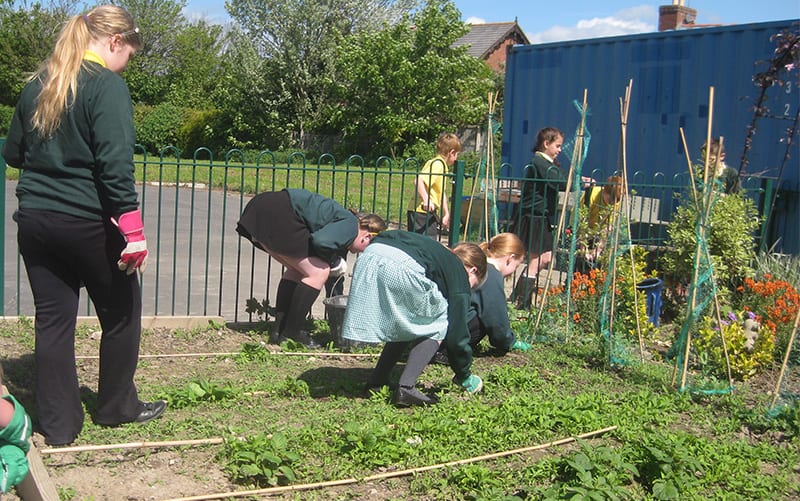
603 203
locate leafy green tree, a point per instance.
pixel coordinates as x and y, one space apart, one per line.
160 22
27 35
297 39
195 65
407 81
245 97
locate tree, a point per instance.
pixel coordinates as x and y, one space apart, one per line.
195 65
27 35
298 40
160 22
407 81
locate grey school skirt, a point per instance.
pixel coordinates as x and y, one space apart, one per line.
391 299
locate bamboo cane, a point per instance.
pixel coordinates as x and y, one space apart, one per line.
785 363
234 353
689 167
576 157
489 154
693 303
393 474
625 209
132 445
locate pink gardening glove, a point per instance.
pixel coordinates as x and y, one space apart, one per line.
134 255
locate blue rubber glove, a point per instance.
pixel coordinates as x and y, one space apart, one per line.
473 384
521 346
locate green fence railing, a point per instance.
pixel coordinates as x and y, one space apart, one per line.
200 267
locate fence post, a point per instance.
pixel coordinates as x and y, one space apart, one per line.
455 212
768 186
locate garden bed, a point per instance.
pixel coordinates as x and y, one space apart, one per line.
333 431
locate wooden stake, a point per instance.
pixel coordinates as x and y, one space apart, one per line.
576 158
777 391
234 353
347 481
132 445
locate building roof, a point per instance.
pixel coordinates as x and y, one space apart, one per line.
484 38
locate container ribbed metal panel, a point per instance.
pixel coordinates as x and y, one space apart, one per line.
672 72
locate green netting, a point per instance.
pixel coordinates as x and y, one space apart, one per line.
702 291
616 346
487 210
551 323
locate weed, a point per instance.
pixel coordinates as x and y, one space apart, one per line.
260 460
667 465
261 309
66 493
592 473
291 387
371 443
200 391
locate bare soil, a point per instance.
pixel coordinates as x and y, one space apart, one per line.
149 473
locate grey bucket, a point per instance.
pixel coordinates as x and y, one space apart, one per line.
335 307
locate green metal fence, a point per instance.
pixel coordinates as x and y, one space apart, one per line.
198 264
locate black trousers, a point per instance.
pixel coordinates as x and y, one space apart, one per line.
424 224
61 253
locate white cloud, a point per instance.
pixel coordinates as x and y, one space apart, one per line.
642 19
475 20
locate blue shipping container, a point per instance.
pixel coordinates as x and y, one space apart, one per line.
671 74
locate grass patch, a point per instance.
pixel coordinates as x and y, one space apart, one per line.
304 419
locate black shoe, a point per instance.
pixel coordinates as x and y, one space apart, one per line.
440 358
152 410
408 396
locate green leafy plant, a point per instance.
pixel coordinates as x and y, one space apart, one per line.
667 465
592 473
260 309
371 443
260 460
292 387
474 479
252 352
729 236
200 391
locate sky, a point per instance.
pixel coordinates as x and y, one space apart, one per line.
551 21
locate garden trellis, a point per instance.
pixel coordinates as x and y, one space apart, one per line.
619 241
702 286
579 148
485 176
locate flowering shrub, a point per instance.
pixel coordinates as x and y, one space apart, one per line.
774 303
552 325
750 345
587 290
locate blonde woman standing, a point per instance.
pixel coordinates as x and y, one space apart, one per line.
79 223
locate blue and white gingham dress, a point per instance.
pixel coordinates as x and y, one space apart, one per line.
391 299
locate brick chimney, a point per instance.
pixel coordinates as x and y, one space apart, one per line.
675 16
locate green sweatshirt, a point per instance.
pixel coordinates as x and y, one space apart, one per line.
333 228
86 168
446 270
489 304
544 180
